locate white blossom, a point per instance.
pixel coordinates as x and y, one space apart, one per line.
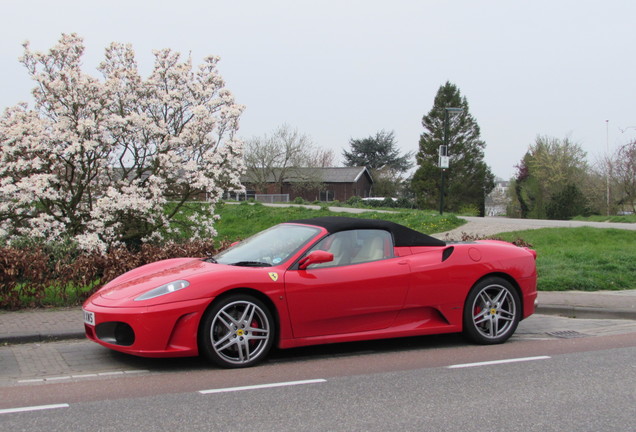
98 160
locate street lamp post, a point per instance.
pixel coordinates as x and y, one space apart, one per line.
444 155
609 165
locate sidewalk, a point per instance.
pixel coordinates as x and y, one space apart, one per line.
589 304
38 325
60 324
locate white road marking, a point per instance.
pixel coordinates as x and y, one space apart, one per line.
136 371
496 362
89 375
33 408
262 386
111 373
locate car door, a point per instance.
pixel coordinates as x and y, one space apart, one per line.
362 289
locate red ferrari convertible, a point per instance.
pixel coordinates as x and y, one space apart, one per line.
315 281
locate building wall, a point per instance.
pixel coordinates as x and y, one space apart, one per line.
344 191
327 192
497 201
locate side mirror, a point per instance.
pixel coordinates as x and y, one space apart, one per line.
316 257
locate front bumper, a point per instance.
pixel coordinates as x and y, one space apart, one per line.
168 330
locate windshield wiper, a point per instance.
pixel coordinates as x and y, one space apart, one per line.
210 260
251 264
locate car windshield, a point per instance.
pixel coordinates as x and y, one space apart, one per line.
267 248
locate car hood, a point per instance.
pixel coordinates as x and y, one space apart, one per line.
142 279
206 280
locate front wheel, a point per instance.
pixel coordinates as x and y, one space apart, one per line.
238 331
492 311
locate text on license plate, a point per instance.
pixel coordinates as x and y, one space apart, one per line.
89 317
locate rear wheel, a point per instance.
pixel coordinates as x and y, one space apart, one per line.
237 331
492 311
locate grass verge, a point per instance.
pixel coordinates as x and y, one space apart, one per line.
585 259
239 221
614 218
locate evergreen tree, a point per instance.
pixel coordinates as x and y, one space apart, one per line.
468 179
377 152
381 156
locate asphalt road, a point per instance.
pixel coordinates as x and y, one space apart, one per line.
589 390
578 374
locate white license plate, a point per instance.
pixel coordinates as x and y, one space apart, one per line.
89 317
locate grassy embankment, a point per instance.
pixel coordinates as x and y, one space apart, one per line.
242 220
586 259
613 218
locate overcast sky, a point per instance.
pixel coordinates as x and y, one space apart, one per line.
337 70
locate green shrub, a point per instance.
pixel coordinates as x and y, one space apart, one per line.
403 202
37 275
469 210
567 203
354 201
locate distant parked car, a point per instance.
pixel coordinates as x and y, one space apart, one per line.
378 199
315 281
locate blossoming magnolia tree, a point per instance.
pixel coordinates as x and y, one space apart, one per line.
98 160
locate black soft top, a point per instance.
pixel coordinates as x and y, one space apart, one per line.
402 236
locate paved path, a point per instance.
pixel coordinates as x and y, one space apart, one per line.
486 226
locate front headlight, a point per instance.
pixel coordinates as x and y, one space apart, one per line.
164 289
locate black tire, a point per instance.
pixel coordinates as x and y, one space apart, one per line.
237 331
492 311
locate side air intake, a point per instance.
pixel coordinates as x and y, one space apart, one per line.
447 253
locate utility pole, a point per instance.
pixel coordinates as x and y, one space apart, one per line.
609 165
444 158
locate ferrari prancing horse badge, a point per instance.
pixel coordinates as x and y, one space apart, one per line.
274 276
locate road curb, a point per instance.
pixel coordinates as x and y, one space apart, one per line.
24 338
586 312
